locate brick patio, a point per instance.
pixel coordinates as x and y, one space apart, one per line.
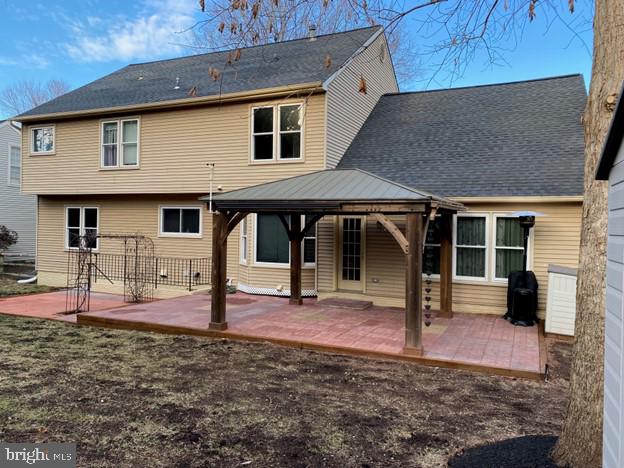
466 340
52 305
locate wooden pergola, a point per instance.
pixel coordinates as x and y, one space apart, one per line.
346 192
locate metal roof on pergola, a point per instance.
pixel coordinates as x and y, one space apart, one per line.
330 191
344 192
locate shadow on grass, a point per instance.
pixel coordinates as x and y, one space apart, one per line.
520 452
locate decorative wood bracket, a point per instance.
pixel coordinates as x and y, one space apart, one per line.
393 230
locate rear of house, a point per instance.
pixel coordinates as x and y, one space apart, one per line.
129 153
17 210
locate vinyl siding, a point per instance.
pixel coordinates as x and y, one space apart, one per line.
175 147
140 214
17 211
347 108
613 442
556 239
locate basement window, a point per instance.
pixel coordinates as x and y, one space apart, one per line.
81 221
180 221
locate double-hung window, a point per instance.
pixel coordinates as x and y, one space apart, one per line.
15 165
309 242
276 133
431 252
180 221
471 247
42 140
120 143
509 246
81 223
273 246
243 241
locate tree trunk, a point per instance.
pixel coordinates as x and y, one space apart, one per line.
580 444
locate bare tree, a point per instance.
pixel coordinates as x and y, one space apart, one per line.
26 94
241 23
465 28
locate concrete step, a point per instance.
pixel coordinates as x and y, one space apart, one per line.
340 303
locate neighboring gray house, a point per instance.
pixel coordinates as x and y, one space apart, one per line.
611 168
17 211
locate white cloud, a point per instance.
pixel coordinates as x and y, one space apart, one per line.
155 32
26 61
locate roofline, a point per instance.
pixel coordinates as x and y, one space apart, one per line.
612 142
521 199
10 124
223 51
314 87
347 62
488 85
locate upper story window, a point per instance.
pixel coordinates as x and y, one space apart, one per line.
15 165
276 133
42 140
181 221
120 143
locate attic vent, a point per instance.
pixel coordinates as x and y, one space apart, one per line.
177 84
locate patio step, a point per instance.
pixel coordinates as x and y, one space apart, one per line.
345 303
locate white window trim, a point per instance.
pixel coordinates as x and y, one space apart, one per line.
243 245
485 278
10 183
495 217
187 235
81 227
120 165
276 135
279 132
31 131
425 244
304 266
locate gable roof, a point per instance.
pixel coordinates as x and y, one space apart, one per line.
613 141
280 64
512 139
330 185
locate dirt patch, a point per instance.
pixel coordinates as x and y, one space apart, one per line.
127 397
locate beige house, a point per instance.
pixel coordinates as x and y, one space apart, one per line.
135 151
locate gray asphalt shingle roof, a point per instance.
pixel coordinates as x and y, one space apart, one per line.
513 139
341 185
267 66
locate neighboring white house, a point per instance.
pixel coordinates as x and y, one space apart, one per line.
17 211
611 168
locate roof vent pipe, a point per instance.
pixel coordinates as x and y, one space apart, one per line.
312 32
177 83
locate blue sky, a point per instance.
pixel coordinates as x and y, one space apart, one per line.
82 40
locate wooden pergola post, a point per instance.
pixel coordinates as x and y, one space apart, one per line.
446 266
413 286
219 271
295 236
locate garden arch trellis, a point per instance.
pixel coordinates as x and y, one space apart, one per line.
139 269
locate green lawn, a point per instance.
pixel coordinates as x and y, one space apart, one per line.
148 400
10 287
